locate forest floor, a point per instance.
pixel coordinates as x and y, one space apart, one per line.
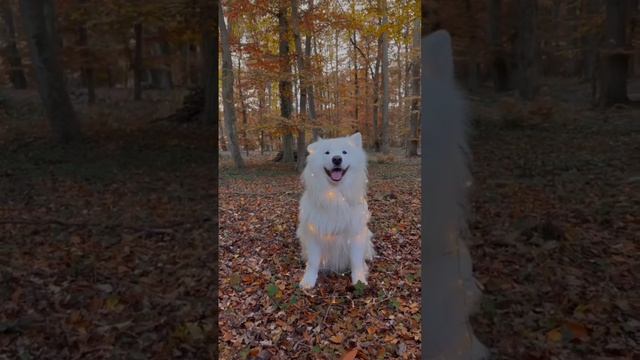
555 234
556 228
261 308
105 245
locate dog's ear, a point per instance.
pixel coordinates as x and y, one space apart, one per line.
311 148
357 139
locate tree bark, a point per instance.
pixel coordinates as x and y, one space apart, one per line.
376 98
11 52
161 74
527 49
499 64
615 62
39 20
137 63
312 99
302 78
590 8
243 108
87 69
385 81
414 118
284 85
227 92
209 56
261 110
336 92
356 85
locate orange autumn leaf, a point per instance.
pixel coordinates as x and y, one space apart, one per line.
579 331
554 335
337 339
350 355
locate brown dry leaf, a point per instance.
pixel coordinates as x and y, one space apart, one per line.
554 335
579 331
350 355
337 339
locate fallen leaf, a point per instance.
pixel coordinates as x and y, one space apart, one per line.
579 331
554 335
337 339
350 355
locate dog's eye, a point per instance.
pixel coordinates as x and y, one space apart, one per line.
326 153
344 152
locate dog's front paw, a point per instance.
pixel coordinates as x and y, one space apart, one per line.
308 281
358 276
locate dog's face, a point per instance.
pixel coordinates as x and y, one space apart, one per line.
335 159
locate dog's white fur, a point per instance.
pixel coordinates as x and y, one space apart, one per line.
333 215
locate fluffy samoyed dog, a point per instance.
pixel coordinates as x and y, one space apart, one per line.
333 213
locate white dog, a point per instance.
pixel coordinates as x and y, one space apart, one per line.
333 214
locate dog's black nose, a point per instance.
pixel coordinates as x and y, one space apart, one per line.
336 160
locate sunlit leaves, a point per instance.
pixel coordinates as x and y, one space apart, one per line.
331 320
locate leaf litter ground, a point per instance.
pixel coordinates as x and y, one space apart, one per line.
106 245
556 231
263 313
555 234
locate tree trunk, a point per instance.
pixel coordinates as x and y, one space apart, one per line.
302 78
161 76
385 82
615 62
137 63
284 85
499 65
356 85
39 20
336 92
590 40
221 132
527 49
87 69
414 119
11 52
227 92
312 99
473 72
261 110
209 56
376 98
446 261
243 108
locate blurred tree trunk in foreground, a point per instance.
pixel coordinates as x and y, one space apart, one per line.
39 20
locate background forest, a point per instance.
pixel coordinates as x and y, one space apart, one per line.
554 91
294 70
108 179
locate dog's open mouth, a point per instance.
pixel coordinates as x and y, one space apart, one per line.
337 173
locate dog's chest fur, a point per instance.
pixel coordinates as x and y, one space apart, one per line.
333 213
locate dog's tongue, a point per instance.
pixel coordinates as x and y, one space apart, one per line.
336 174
